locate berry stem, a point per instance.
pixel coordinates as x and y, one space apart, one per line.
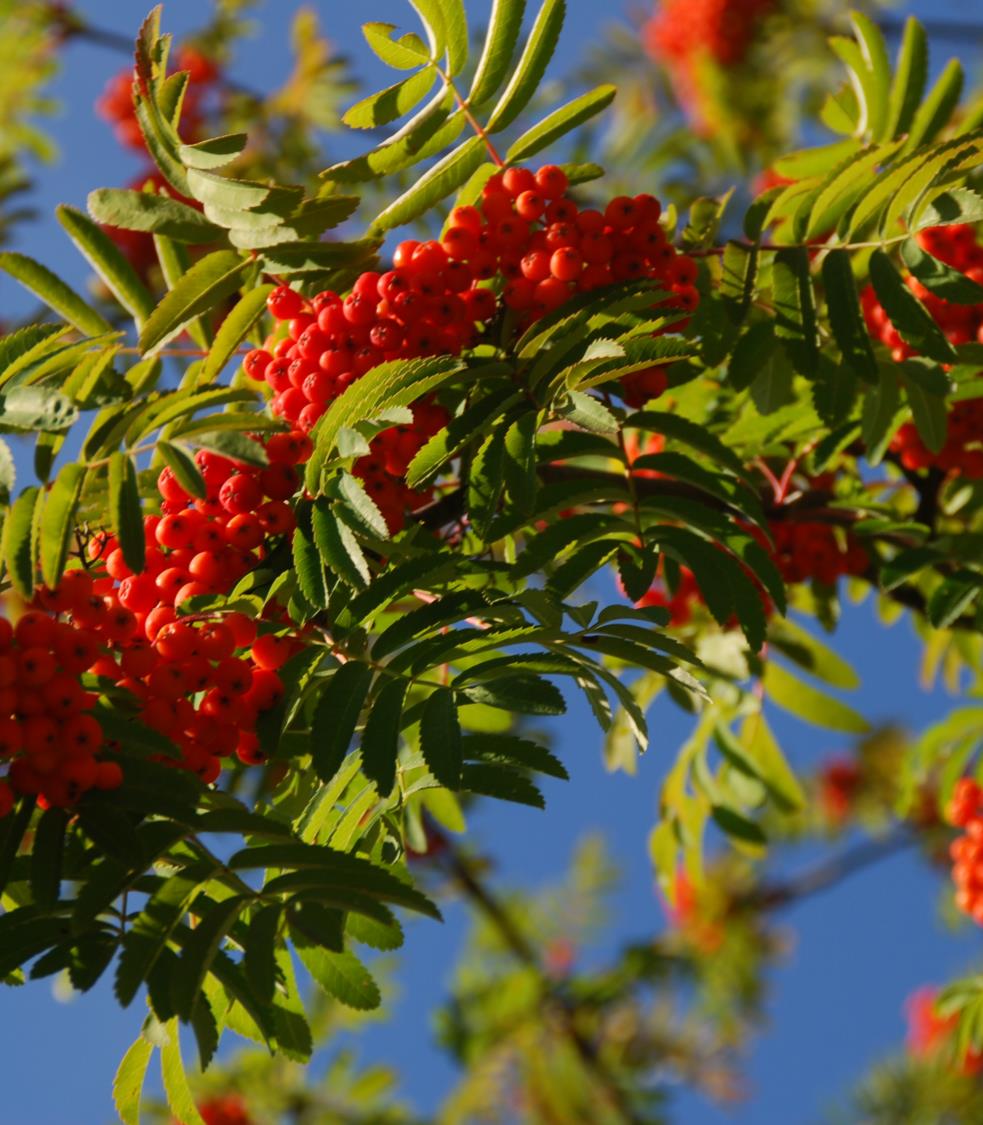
475 124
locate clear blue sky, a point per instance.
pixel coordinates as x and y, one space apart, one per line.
857 951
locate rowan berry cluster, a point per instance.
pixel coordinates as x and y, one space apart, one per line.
965 811
202 679
116 104
199 679
525 247
930 1034
49 740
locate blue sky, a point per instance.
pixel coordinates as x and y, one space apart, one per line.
856 952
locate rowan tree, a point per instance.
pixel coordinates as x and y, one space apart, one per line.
356 462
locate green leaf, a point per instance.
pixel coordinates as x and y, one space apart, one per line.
405 53
738 826
459 431
792 695
770 765
58 296
504 26
307 559
233 330
152 928
440 738
910 78
128 1083
795 312
937 107
957 205
125 513
812 655
526 694
158 214
180 1100
342 976
47 853
879 413
939 277
846 318
213 153
392 103
108 261
527 75
739 272
19 544
502 784
396 383
338 548
926 386
335 717
909 316
877 87
560 122
199 952
259 961
184 467
209 281
486 481
357 507
380 738
58 521
438 182
953 597
31 408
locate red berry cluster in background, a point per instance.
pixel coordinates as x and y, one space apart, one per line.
49 739
681 34
965 811
723 29
680 602
804 550
229 1109
930 1035
525 248
839 781
962 453
116 104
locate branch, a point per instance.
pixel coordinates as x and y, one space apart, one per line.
520 948
826 874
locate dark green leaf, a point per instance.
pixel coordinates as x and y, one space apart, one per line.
795 312
845 316
20 542
336 713
125 514
440 738
909 316
380 738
